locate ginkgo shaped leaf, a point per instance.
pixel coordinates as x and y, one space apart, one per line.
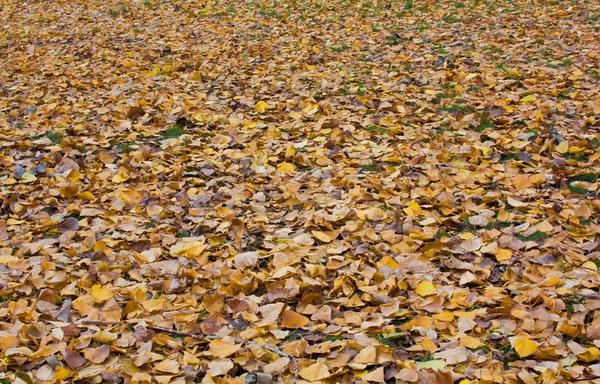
261 106
524 346
100 294
188 249
223 349
321 236
425 288
503 254
286 167
291 319
315 372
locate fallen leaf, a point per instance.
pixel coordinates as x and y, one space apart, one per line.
291 319
524 346
321 236
97 355
101 294
425 288
315 372
222 349
73 359
286 167
503 254
261 106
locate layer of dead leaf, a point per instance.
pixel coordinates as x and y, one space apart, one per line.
387 191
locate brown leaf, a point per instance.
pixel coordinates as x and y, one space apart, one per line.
97 355
73 359
69 224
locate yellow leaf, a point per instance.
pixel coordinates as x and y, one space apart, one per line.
286 167
5 259
105 337
62 373
413 209
551 281
503 215
100 294
524 346
444 316
290 151
503 254
590 354
562 147
261 106
315 372
101 246
361 374
321 236
529 99
188 249
222 349
121 175
425 288
27 178
291 319
311 109
389 262
429 345
513 73
87 195
435 365
590 265
470 342
386 121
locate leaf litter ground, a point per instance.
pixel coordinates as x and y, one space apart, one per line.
380 191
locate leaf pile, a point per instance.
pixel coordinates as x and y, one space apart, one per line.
388 191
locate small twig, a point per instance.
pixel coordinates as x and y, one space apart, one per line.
100 322
590 296
207 337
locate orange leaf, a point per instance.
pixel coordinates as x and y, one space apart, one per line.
221 349
291 319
